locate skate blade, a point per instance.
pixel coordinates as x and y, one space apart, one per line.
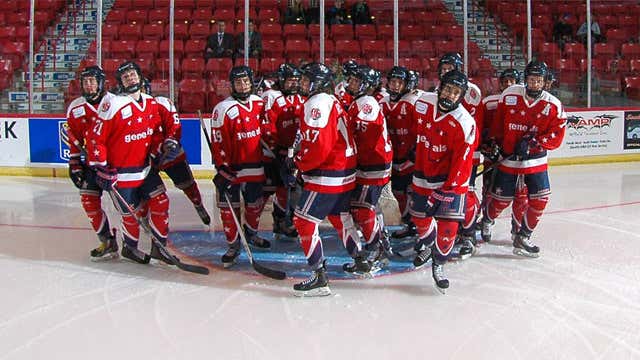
228 265
524 253
282 237
321 291
440 290
108 257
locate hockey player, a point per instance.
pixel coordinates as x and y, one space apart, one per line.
348 69
237 156
412 84
178 168
490 144
119 148
283 118
374 160
472 102
398 109
446 136
81 115
327 162
534 122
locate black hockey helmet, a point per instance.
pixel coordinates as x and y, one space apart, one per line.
238 72
321 79
510 73
124 67
146 86
369 79
398 72
349 68
414 78
288 71
535 68
96 72
456 78
451 58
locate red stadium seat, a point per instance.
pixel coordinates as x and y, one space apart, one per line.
575 51
348 48
180 31
202 14
404 48
423 48
412 32
182 15
634 66
297 49
123 48
270 65
549 51
146 66
193 68
270 31
632 87
273 48
7 33
153 31
142 4
373 48
218 68
630 51
329 48
116 16
162 69
269 16
314 32
158 15
385 32
138 16
178 49
604 50
199 31
110 31
366 32
194 48
342 32
160 87
191 95
224 14
130 32
147 48
294 32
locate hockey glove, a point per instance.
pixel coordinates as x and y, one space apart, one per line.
491 150
106 177
76 172
524 146
224 178
436 198
171 150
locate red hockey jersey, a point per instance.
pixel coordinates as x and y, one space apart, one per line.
235 137
284 119
402 130
372 141
80 118
472 102
171 126
444 149
327 156
124 135
343 96
544 118
492 126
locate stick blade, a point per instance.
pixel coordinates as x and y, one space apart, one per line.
271 273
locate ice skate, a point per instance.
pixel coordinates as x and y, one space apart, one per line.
409 230
440 281
467 247
157 254
134 254
284 229
316 285
229 258
423 256
256 241
485 230
202 212
360 266
107 250
523 246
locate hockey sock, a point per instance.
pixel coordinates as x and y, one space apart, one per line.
229 224
368 223
471 212
494 207
347 232
93 207
130 230
193 193
159 221
426 228
534 212
252 213
280 203
310 241
402 199
444 241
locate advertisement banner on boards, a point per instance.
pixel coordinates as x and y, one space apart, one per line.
592 133
14 142
50 142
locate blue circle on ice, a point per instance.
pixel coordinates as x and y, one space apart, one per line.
285 254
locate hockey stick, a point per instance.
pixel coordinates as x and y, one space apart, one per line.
495 165
161 247
272 273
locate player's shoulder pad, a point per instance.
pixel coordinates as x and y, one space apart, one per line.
166 103
425 100
511 94
227 107
368 108
460 117
111 105
555 102
281 101
409 97
317 110
473 96
76 108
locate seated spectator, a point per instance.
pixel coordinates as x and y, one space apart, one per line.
337 14
596 34
220 44
563 31
360 13
255 42
295 13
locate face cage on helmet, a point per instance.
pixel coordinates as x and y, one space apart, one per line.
93 98
292 91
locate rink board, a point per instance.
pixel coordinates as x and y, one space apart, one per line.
29 142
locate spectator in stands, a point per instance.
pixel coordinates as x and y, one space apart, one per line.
596 34
360 13
255 42
562 31
337 14
295 13
221 44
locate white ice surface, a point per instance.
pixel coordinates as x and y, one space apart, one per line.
579 300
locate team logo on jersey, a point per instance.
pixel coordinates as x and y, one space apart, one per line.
63 132
79 112
367 109
105 106
215 114
473 93
315 114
